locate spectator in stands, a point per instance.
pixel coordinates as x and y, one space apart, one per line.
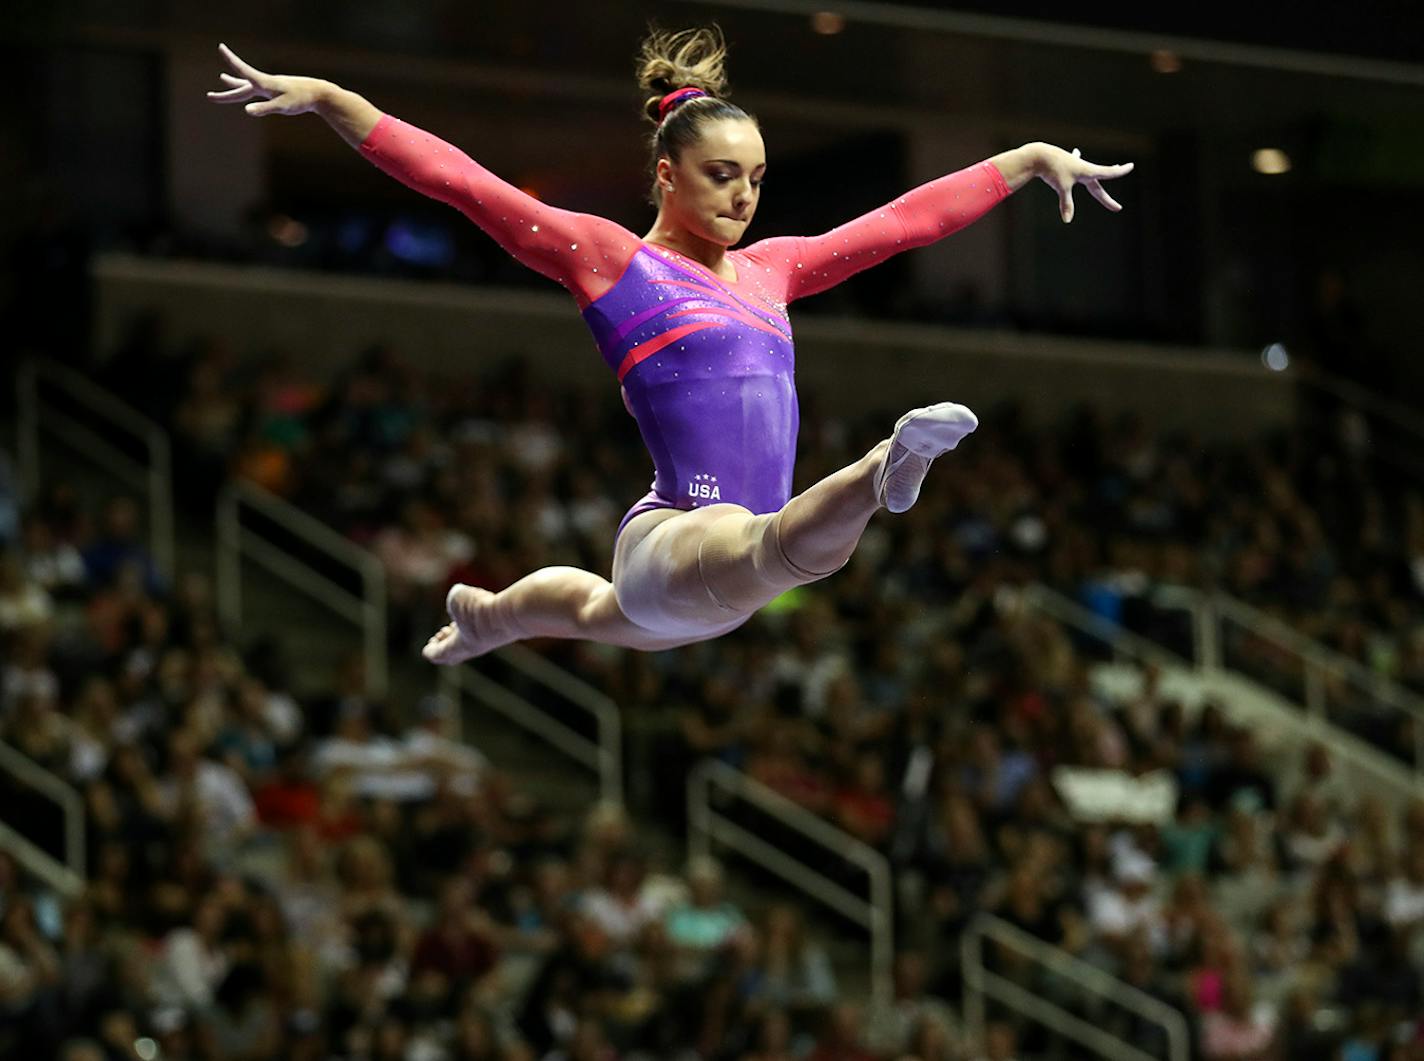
1188 841
1001 1043
1240 1029
862 806
1404 896
841 1037
213 794
1247 878
456 951
891 1029
1129 907
118 546
1310 836
771 1039
796 976
192 960
706 921
51 563
1315 773
429 744
24 602
620 905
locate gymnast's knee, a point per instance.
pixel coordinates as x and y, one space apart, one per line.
743 564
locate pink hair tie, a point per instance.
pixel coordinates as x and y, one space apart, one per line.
672 99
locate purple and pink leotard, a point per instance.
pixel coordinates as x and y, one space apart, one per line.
706 364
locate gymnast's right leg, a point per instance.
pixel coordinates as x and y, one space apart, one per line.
710 569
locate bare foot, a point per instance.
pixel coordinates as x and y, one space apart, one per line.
460 640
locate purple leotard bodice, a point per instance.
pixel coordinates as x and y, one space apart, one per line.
709 376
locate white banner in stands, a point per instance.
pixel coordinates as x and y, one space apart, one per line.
1113 795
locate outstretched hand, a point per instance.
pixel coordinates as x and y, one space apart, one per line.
273 93
1061 170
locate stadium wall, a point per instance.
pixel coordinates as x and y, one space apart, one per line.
849 364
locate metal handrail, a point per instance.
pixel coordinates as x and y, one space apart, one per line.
1123 642
876 914
155 477
1208 610
980 983
41 863
605 713
32 774
603 756
236 542
1397 414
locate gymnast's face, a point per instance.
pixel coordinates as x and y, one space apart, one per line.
712 190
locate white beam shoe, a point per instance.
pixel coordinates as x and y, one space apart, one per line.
920 436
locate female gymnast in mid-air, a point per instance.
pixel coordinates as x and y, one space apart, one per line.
698 336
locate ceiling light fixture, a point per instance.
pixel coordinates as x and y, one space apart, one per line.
1270 160
1165 61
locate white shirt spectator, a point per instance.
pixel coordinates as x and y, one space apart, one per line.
223 801
464 766
1130 907
1404 902
379 768
61 567
188 971
1225 1037
622 921
283 717
24 605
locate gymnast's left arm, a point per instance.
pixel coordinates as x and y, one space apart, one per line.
931 212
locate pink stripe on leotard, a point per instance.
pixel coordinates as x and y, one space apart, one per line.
643 351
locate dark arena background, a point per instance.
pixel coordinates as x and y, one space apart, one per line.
1111 747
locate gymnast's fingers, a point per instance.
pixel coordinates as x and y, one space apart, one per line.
241 89
232 95
1065 202
1107 173
250 72
279 105
1096 191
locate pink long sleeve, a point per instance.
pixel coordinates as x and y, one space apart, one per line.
584 253
812 264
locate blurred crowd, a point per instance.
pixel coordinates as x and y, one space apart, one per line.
490 473
334 878
337 878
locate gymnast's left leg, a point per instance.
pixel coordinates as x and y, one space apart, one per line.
563 602
714 566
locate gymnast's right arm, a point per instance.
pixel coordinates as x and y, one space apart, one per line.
584 253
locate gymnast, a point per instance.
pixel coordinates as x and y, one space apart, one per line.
698 337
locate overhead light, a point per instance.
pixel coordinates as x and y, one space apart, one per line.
827 23
1166 61
1270 160
287 231
1275 357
